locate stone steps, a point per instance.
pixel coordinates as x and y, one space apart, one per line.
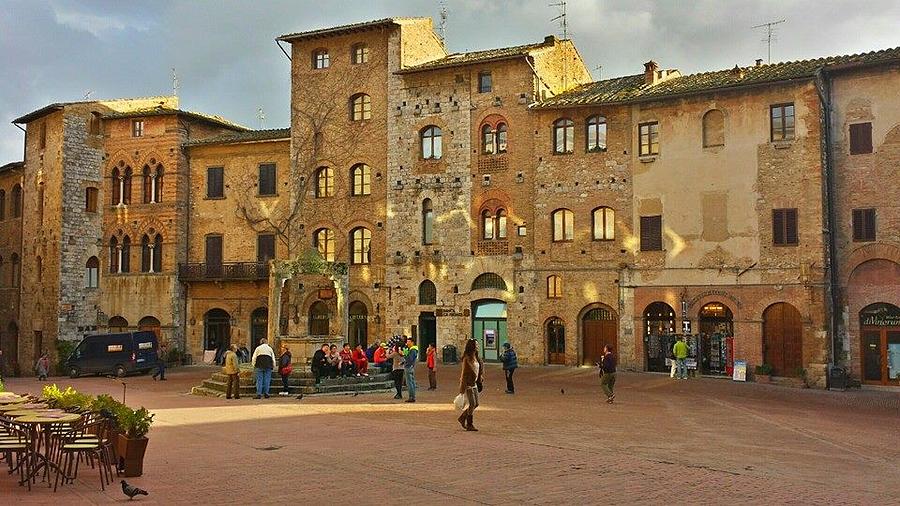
299 382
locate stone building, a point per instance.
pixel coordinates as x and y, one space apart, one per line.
502 195
10 263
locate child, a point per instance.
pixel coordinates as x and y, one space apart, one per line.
432 377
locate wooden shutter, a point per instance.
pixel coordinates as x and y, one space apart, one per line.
267 179
215 187
651 233
214 255
790 226
860 138
265 247
863 225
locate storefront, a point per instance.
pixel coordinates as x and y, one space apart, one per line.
880 338
659 335
716 343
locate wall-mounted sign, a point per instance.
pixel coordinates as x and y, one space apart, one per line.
686 327
880 315
450 311
326 293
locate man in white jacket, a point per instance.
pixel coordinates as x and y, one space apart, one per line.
263 361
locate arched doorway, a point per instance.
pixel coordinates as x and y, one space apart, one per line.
879 326
9 362
319 318
359 324
659 335
217 332
783 339
152 324
117 324
489 327
716 328
259 325
599 327
556 341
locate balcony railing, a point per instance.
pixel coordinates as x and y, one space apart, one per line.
223 271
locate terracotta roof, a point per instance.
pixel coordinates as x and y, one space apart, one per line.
43 111
275 134
163 111
11 166
458 59
344 29
633 88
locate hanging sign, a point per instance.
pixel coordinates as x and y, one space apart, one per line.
686 327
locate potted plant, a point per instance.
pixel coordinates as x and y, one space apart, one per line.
763 373
131 443
803 378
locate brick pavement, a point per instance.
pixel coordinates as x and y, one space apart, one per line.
664 441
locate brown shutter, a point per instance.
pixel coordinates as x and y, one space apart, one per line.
214 255
265 247
857 225
651 233
778 226
860 138
869 224
790 226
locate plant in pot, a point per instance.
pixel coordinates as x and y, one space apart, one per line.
131 443
763 373
804 379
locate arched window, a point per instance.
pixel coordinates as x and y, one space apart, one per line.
361 175
489 280
596 134
125 255
501 224
554 287
563 136
116 187
427 293
117 324
360 107
324 182
563 225
92 273
323 240
359 54
318 319
2 204
713 128
16 270
361 239
604 226
487 140
146 252
16 203
431 143
157 253
427 222
113 255
501 138
320 59
148 185
487 225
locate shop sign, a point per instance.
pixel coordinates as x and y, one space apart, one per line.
881 315
450 311
686 327
740 370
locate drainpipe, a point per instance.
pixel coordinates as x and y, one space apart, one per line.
823 86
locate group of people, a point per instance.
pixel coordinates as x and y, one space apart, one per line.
329 362
264 363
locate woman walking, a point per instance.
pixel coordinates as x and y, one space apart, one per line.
396 358
470 383
285 368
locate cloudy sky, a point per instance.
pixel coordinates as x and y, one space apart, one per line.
228 64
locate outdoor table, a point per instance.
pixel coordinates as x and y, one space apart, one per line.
24 412
12 399
35 423
22 405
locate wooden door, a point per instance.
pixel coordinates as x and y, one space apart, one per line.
598 333
214 255
556 342
783 339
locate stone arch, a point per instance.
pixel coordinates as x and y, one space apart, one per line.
490 280
868 252
893 135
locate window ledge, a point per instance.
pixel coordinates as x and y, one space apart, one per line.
265 195
648 158
214 198
595 150
782 144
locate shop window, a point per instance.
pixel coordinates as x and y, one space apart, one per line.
323 241
596 134
713 128
604 226
563 136
360 107
324 182
860 138
320 59
361 175
431 143
360 239
784 227
554 287
649 138
863 225
215 182
651 233
267 179
782 122
563 225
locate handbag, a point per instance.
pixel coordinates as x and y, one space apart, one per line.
287 370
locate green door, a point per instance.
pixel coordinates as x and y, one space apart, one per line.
489 328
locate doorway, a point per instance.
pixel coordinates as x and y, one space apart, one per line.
716 325
217 332
783 339
489 327
427 333
599 327
259 325
880 339
659 335
556 341
359 324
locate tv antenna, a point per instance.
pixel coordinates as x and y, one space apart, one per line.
174 82
599 69
770 34
442 24
562 18
261 117
87 94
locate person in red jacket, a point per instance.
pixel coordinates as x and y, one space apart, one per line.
347 367
362 363
381 361
429 361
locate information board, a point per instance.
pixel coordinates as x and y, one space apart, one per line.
740 370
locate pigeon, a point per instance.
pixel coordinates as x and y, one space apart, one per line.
562 390
131 490
300 397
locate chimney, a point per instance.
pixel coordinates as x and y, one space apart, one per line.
737 72
650 75
759 62
550 39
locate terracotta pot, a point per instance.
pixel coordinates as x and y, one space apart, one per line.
130 455
763 378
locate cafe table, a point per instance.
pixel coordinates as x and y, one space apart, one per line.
12 399
39 423
22 405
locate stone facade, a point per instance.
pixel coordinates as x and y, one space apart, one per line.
10 265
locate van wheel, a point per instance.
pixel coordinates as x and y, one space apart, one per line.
74 372
120 371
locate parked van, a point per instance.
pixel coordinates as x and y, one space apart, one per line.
120 354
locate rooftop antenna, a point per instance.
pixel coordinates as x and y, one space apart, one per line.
563 23
770 34
174 83
87 94
442 25
599 69
261 117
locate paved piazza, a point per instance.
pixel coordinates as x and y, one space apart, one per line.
554 442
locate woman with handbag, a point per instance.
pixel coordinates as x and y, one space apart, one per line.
285 368
470 383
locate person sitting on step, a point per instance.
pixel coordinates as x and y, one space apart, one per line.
360 361
346 365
